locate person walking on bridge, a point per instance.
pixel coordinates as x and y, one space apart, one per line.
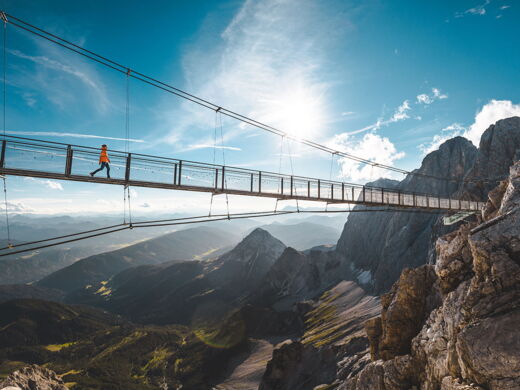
104 161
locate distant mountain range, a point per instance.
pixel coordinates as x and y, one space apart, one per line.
190 244
304 235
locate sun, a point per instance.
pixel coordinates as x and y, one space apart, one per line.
298 113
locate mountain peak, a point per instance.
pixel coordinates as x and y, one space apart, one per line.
260 238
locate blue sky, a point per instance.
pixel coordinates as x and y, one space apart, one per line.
386 80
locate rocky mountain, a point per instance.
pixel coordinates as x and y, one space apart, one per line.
454 325
303 235
176 292
189 244
379 246
499 148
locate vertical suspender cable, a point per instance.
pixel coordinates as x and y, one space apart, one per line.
9 244
214 162
4 67
279 172
223 159
127 142
292 173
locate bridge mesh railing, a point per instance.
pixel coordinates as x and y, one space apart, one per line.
74 161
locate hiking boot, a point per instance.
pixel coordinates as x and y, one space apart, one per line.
91 174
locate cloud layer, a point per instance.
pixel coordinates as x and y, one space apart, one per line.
485 117
372 147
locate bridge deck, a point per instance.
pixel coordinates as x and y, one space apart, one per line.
52 160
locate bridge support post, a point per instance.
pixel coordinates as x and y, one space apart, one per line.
2 156
332 191
216 178
259 181
223 177
127 170
319 189
342 191
382 195
292 183
68 162
175 174
363 194
308 188
399 197
179 174
281 186
252 180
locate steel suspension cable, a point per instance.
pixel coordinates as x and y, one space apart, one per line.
64 236
222 217
185 95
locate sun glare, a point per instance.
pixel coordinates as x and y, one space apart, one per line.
298 113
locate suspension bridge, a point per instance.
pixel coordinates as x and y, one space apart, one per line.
53 160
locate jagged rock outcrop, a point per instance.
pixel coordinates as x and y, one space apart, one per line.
471 340
499 147
380 246
404 311
33 378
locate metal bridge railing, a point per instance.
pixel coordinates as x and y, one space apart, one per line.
28 157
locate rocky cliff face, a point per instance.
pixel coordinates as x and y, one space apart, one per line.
379 246
499 148
454 326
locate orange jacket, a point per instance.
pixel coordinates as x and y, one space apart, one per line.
103 156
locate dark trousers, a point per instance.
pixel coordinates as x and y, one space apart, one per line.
103 165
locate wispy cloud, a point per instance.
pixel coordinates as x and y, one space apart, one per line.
29 99
16 207
400 114
454 127
477 10
56 65
269 63
72 135
436 94
207 146
52 184
403 112
52 75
